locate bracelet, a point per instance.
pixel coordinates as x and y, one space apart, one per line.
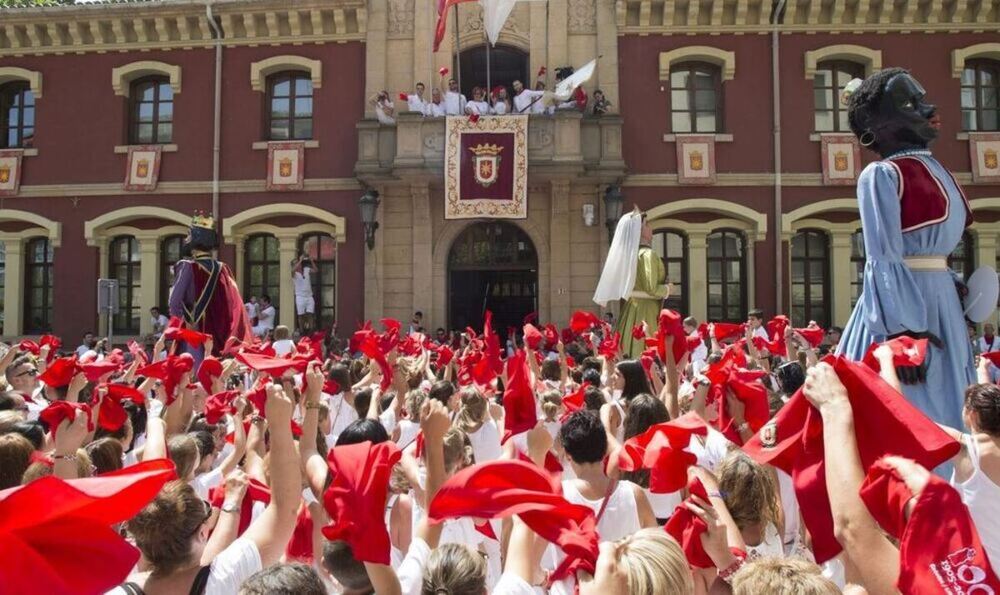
313 405
69 457
258 419
727 574
743 427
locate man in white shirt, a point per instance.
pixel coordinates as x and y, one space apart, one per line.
755 322
989 341
454 101
265 317
434 108
305 304
252 309
525 100
700 353
89 344
158 322
501 104
415 101
478 105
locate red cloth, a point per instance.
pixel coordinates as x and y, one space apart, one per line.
112 415
57 411
671 324
220 404
445 355
170 370
60 372
44 525
370 347
499 489
177 332
94 371
520 411
993 356
356 498
300 546
727 375
54 343
258 395
442 24
940 550
209 370
551 334
256 492
532 336
661 449
494 358
906 351
275 366
813 334
573 402
884 423
724 330
609 346
225 316
687 528
639 331
583 321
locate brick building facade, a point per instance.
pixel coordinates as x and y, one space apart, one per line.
81 84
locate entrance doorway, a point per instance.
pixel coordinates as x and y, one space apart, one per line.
507 64
492 266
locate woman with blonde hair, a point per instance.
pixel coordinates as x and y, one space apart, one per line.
454 569
782 576
475 420
750 491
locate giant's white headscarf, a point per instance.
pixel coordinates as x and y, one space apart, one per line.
618 276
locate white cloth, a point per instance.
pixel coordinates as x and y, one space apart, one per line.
523 101
411 571
434 110
500 108
486 442
383 111
265 321
408 430
761 332
230 569
342 414
712 452
982 497
511 584
302 282
82 351
305 304
789 505
618 277
478 107
415 103
663 505
769 547
454 103
283 347
700 353
205 482
621 515
988 346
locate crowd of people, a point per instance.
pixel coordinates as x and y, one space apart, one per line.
448 99
729 458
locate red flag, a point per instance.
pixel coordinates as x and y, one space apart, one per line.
906 351
518 399
219 404
661 449
442 24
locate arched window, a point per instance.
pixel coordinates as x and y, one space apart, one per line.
124 265
960 259
17 115
289 106
38 279
810 278
727 291
322 247
170 253
151 116
831 76
671 245
857 266
262 264
981 95
695 97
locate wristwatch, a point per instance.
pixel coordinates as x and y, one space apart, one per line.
230 508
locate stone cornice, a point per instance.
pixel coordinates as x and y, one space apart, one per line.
179 24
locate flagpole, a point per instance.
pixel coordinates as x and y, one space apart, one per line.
489 81
458 54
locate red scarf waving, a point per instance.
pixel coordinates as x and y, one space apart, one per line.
661 449
520 411
256 492
499 489
884 422
940 550
687 528
356 498
44 523
671 324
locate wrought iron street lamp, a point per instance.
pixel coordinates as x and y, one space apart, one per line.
368 203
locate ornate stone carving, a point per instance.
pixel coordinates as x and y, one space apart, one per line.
582 16
474 23
434 142
539 136
400 17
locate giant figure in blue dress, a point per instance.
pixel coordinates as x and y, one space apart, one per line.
913 214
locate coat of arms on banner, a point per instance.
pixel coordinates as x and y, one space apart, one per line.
841 157
286 165
10 171
142 168
984 149
695 159
486 168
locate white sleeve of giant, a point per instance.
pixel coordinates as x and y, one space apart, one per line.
618 276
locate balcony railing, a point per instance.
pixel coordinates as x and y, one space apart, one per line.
566 142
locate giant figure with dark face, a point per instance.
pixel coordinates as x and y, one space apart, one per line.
913 214
204 294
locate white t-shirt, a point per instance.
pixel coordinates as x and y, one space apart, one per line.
511 584
479 107
382 112
160 321
81 351
454 103
414 103
342 414
486 442
230 569
524 99
283 347
251 309
500 108
411 571
206 481
266 318
988 346
302 281
434 110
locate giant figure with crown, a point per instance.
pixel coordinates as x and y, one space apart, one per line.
204 294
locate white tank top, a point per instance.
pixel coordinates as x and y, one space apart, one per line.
620 518
408 431
663 505
486 442
982 497
620 432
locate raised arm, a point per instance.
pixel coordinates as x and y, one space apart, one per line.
314 464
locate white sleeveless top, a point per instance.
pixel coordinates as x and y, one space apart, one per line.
486 442
982 497
408 431
621 517
663 505
620 432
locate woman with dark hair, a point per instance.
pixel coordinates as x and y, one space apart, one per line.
645 411
627 381
913 214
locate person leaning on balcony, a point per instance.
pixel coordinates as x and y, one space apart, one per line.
478 106
435 107
454 101
385 110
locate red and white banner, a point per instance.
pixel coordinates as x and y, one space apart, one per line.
841 157
695 159
984 152
10 171
142 168
486 167
286 165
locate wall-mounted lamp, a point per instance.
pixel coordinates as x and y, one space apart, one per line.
368 203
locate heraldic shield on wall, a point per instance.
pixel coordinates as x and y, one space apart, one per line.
486 168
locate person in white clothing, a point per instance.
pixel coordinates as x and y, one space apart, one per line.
282 344
454 101
253 309
755 325
478 105
989 341
526 99
158 322
265 317
385 109
415 101
501 103
435 107
476 419
700 353
305 303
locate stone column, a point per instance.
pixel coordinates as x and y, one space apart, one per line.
422 254
287 248
698 274
559 252
558 50
375 52
752 240
986 246
149 277
102 243
13 289
238 241
607 48
840 276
